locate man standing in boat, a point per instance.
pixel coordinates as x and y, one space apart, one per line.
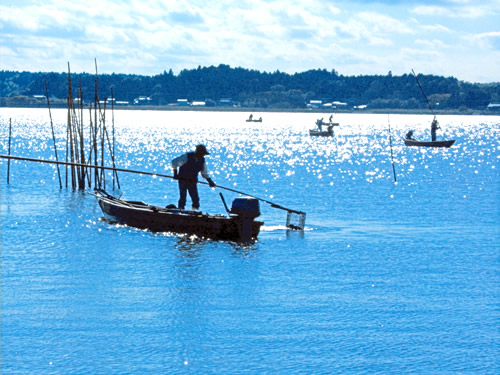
186 168
434 128
319 123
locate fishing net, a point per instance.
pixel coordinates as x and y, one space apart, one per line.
295 220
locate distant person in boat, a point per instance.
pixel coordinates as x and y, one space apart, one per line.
251 117
331 117
409 135
186 168
319 123
434 128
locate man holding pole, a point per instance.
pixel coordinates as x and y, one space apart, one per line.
186 168
434 128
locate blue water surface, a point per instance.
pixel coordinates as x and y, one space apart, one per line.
386 278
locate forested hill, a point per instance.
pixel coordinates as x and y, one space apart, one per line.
223 85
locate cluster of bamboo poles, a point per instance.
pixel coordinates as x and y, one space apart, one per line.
86 146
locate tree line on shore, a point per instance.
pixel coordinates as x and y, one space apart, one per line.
255 89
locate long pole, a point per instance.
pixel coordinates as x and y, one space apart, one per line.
112 151
392 155
53 134
113 134
67 153
72 147
274 205
110 147
423 92
82 137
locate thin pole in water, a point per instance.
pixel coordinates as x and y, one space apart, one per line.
8 163
53 134
115 175
392 155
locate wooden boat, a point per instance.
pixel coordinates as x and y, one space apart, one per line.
238 225
409 141
323 133
254 120
443 143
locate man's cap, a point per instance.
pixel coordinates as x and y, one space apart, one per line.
202 150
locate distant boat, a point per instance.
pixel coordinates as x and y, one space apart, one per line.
319 132
251 119
443 143
409 141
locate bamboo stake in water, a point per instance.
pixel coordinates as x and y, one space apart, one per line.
91 145
97 181
78 135
392 155
110 146
102 126
77 139
8 163
96 107
53 134
113 137
82 137
66 165
70 132
97 177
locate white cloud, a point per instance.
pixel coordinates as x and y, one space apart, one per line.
381 23
287 35
431 44
7 53
431 10
475 10
435 29
490 40
19 18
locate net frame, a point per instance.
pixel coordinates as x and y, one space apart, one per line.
295 220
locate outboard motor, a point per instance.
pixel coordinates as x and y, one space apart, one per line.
248 207
247 210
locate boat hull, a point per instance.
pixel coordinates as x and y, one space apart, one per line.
317 133
444 143
156 219
324 133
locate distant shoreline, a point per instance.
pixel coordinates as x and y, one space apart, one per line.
278 110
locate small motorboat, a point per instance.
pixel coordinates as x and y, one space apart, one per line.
442 143
239 225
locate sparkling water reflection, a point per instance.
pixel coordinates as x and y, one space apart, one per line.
387 278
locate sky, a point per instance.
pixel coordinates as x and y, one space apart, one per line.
459 38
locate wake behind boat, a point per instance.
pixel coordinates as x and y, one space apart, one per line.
239 225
